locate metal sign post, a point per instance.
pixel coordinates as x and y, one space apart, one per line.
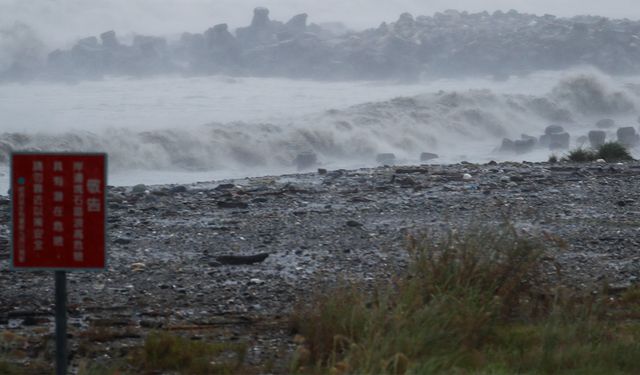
61 322
58 212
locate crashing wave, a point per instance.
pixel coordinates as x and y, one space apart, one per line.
449 123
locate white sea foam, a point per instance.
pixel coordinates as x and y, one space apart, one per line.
170 130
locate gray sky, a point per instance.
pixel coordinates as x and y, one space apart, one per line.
61 21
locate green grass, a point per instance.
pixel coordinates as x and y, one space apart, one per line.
610 152
8 368
13 354
470 303
581 155
166 352
614 151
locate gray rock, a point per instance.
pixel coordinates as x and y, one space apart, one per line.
224 187
109 39
305 160
260 17
386 158
404 181
426 156
597 138
140 188
445 44
507 145
605 123
553 129
522 146
581 140
297 24
555 141
260 32
354 224
178 189
628 136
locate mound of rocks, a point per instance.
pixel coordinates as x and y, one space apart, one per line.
444 44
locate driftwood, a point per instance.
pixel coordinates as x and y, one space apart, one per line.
233 204
242 259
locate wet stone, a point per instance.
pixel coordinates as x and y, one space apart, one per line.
353 224
426 156
140 188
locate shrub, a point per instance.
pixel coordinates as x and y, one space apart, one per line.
581 155
470 302
553 159
610 151
614 151
446 306
166 352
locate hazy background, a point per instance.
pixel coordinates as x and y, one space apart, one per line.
59 22
174 129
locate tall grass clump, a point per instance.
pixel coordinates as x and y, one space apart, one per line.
610 151
470 302
614 151
164 352
581 155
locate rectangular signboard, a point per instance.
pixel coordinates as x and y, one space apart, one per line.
58 211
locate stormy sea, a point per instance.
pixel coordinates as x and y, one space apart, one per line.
276 98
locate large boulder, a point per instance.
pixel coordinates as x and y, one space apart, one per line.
426 156
605 123
222 52
555 141
297 24
597 138
262 30
260 18
522 146
405 26
88 43
386 158
628 136
519 146
218 35
305 160
507 145
553 129
109 40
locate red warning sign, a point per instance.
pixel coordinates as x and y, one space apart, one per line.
58 211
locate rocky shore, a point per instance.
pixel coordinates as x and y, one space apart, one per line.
229 259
